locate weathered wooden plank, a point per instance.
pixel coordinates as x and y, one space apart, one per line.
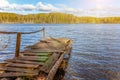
1 71
24 62
54 68
36 57
18 41
50 62
42 51
15 69
3 64
38 54
16 74
45 50
55 58
22 65
4 79
32 59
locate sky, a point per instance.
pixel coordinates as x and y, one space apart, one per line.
97 8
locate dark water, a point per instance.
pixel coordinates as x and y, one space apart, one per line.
96 48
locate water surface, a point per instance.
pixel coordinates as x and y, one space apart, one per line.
96 47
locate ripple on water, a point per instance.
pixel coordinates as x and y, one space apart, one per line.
96 48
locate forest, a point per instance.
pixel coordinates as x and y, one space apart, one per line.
54 18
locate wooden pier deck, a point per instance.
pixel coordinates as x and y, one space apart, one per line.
37 62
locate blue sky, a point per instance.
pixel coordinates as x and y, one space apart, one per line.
98 8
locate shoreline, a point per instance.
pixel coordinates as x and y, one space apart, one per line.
59 23
55 18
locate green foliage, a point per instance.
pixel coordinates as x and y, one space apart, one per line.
54 18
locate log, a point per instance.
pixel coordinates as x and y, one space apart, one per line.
18 41
24 62
15 69
49 63
32 59
22 65
54 68
16 74
3 64
37 54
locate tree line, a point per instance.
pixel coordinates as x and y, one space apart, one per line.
54 18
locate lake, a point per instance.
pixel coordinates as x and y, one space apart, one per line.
96 47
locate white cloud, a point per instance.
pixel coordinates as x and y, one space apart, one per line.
28 7
3 3
107 11
65 9
45 7
5 6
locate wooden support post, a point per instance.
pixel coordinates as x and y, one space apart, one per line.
44 35
18 40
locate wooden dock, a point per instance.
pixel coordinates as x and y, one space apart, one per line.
40 61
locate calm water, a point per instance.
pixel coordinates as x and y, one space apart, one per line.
96 48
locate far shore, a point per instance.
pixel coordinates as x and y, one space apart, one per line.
55 18
55 23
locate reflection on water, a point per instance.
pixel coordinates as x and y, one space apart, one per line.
96 48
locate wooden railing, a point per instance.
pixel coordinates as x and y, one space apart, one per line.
18 38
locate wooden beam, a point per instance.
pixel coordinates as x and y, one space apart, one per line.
33 59
15 69
55 68
2 64
20 65
44 35
16 74
24 61
37 54
18 41
49 63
